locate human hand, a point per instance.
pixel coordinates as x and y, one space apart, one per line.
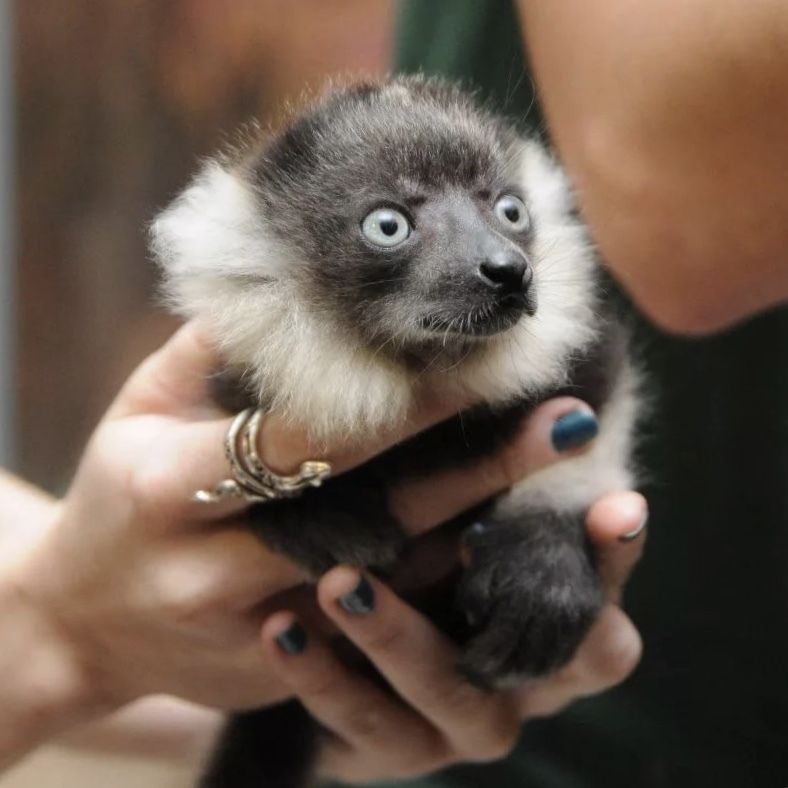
150 593
154 593
433 717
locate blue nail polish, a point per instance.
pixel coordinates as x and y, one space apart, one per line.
360 601
293 640
574 430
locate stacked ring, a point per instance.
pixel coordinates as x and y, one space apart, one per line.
251 481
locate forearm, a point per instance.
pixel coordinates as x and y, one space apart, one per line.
42 689
672 119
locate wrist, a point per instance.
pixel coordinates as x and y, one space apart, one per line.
46 688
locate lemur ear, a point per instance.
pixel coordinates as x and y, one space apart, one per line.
211 235
208 227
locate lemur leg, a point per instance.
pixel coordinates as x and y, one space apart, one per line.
344 522
532 592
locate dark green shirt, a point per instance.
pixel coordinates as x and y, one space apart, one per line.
708 705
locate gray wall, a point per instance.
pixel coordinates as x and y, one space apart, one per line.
6 240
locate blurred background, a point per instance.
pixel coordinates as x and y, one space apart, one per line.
105 108
115 101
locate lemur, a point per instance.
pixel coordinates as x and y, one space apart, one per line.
397 238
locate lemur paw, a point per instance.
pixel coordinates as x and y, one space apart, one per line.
338 523
530 595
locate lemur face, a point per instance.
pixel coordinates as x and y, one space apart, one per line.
414 268
414 237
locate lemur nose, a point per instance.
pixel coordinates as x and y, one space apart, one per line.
507 273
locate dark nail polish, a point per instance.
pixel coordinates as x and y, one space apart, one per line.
360 601
632 535
574 430
293 640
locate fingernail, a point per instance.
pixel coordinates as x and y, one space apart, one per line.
360 601
293 640
632 535
574 430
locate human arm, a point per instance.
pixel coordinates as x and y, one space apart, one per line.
671 117
41 685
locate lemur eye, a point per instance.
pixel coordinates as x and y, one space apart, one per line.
512 213
385 227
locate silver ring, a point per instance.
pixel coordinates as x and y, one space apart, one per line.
252 481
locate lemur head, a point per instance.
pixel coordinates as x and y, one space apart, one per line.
394 235
415 232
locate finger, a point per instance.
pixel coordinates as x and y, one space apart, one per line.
419 663
605 658
169 462
184 457
174 380
425 503
616 525
175 460
361 715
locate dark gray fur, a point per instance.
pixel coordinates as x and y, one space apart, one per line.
531 591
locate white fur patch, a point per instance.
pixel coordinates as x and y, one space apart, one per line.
214 229
223 268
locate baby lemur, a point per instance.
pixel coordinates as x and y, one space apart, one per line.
397 238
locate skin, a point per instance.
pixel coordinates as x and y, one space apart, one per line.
125 589
671 117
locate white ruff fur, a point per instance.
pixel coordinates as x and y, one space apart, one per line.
223 268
